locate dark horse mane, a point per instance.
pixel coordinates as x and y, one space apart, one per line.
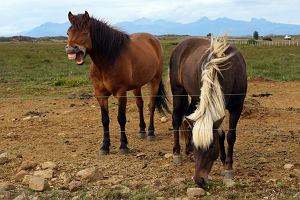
106 40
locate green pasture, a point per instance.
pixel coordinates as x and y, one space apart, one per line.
42 68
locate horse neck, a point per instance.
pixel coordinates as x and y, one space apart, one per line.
107 43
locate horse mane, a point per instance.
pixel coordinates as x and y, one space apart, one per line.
212 104
106 40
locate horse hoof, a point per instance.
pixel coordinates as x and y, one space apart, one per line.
142 135
124 151
228 174
177 159
151 138
103 152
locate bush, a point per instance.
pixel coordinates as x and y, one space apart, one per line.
255 35
267 38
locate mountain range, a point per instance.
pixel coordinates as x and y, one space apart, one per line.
200 27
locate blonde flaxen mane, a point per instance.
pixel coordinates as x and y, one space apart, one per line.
212 105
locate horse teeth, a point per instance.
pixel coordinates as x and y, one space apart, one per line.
71 56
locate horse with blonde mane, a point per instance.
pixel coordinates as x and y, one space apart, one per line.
213 74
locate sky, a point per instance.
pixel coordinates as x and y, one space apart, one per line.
22 15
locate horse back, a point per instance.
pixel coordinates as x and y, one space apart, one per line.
187 60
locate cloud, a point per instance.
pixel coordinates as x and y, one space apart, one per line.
20 15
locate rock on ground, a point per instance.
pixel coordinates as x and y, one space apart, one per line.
22 196
168 155
288 166
74 186
20 175
195 192
49 165
47 174
164 119
38 184
90 174
65 177
28 165
4 158
6 186
228 182
26 179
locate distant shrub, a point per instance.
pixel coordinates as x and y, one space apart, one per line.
267 38
255 35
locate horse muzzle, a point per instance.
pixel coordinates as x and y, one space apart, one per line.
76 53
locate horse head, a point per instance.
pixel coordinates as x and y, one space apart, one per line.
79 40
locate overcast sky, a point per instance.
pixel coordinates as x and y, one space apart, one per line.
21 15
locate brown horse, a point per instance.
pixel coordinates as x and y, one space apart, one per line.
213 74
120 62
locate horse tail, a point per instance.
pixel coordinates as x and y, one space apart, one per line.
162 100
212 104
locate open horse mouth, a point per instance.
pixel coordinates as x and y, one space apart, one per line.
76 53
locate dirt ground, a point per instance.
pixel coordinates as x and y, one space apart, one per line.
69 133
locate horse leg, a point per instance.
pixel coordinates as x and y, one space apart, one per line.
188 132
140 105
122 100
180 101
235 114
152 105
222 146
103 102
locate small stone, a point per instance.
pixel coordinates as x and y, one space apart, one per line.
297 196
22 196
49 165
140 155
296 172
76 198
195 192
4 158
47 174
168 155
20 175
28 165
228 182
288 166
179 180
74 185
164 119
26 179
38 184
30 117
6 186
262 160
90 174
160 198
65 177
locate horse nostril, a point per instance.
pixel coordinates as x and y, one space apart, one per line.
201 183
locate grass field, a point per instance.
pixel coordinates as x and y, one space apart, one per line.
42 68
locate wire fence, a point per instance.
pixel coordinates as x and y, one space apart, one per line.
89 96
265 43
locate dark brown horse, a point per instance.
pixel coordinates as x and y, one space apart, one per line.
213 74
120 62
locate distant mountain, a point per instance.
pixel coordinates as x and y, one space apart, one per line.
48 29
200 27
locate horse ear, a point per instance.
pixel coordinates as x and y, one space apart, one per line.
71 17
86 15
